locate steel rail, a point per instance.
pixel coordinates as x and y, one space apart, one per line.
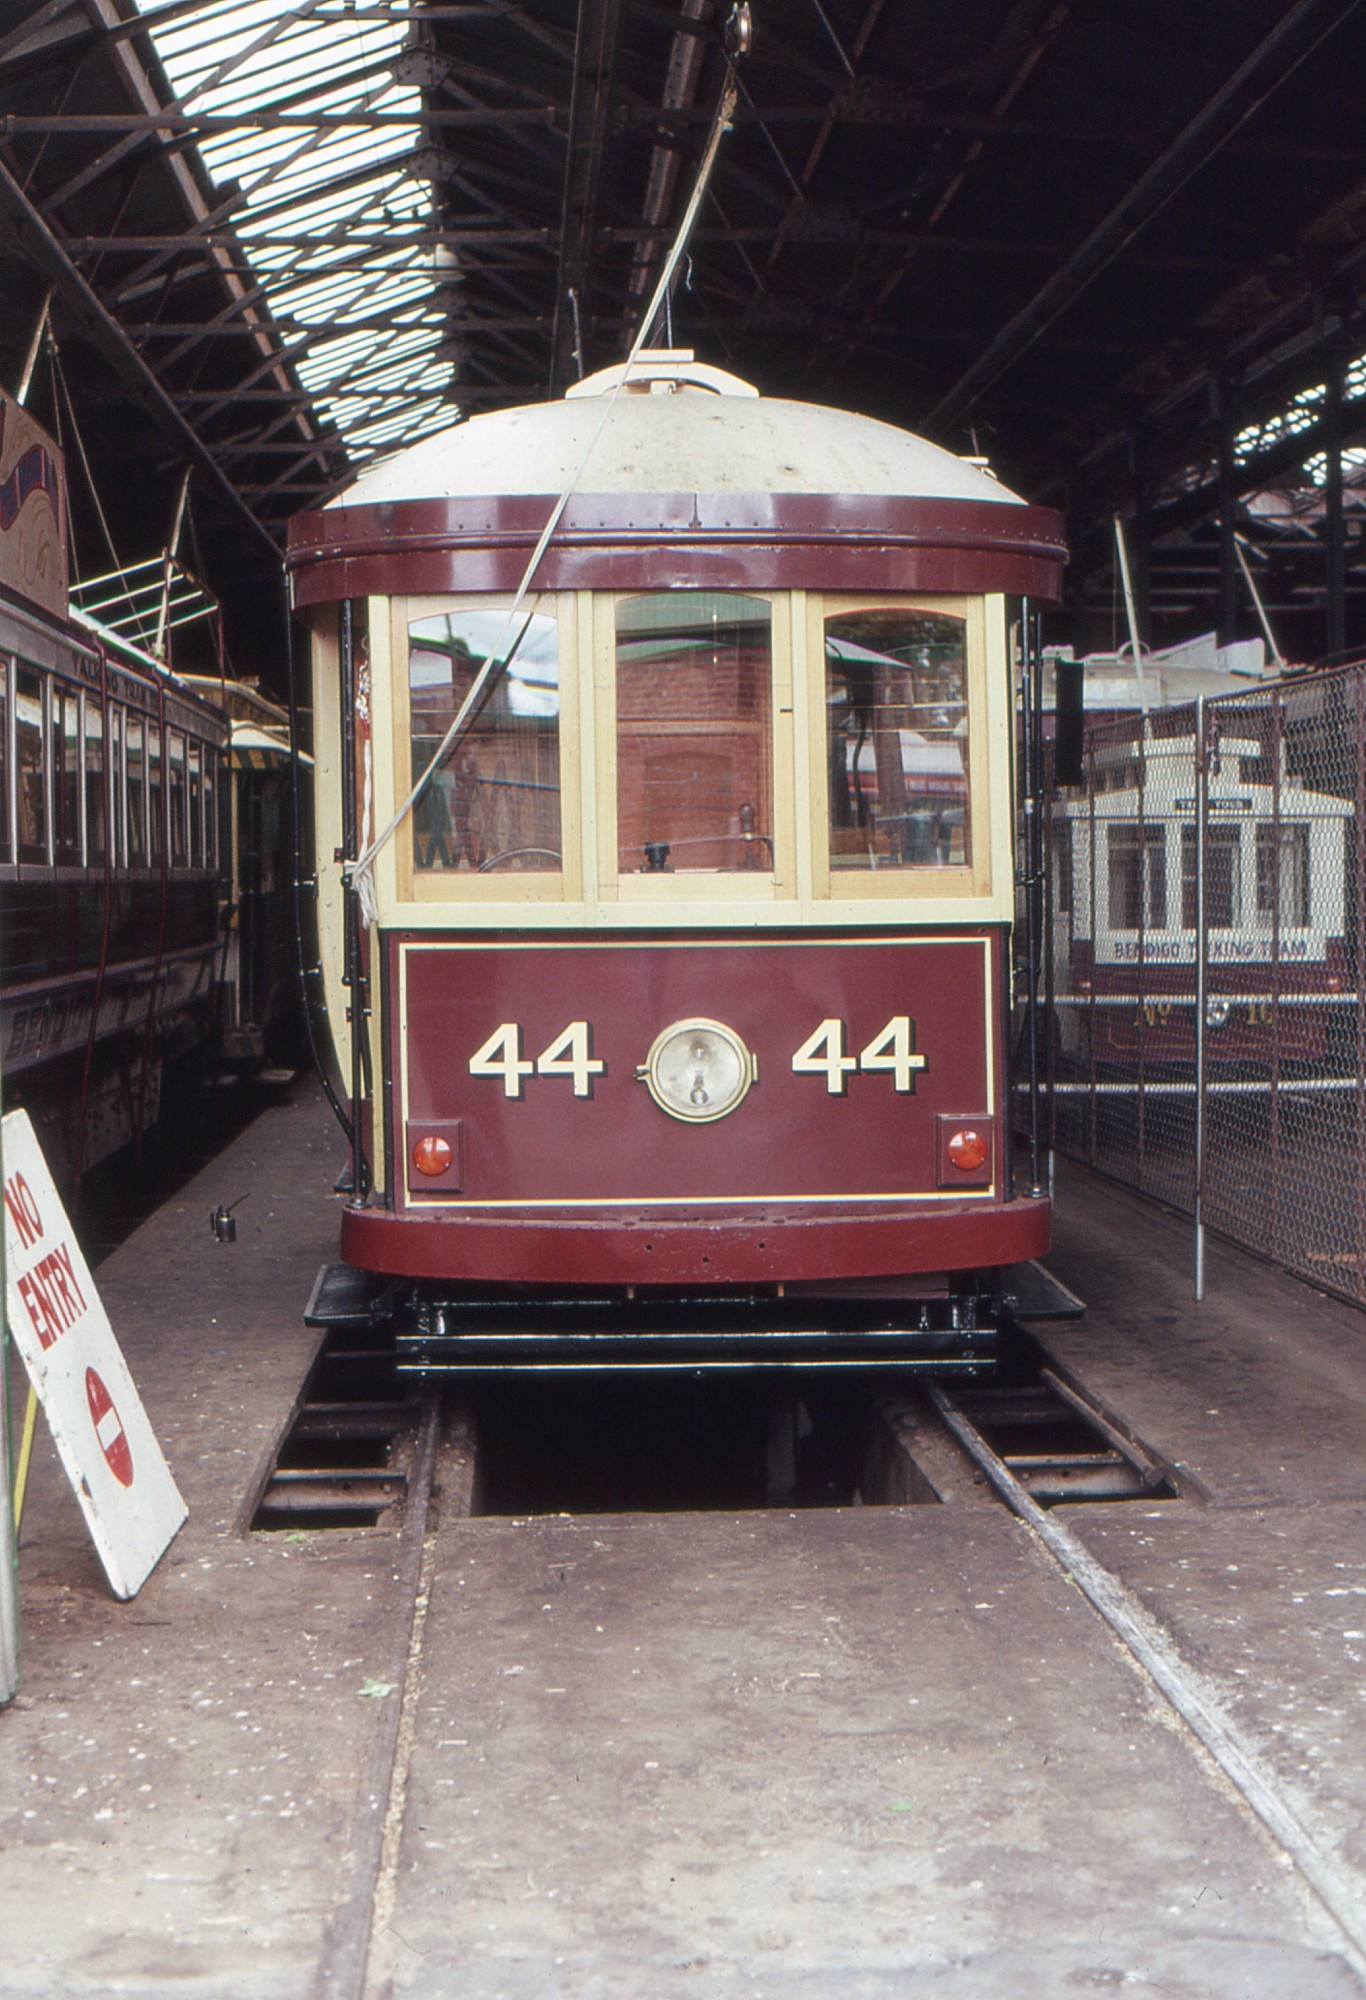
1184 1689
346 1948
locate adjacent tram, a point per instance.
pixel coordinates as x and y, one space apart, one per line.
110 777
663 742
1126 857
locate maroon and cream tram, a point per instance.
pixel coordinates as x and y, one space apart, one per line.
679 992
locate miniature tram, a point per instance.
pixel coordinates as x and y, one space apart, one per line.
664 744
110 778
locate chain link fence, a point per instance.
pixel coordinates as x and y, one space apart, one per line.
1202 997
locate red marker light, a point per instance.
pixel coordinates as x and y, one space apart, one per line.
432 1156
967 1150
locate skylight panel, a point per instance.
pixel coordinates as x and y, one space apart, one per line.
323 205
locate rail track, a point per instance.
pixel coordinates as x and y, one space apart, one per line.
993 1430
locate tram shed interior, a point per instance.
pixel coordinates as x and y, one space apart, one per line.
838 1721
1118 253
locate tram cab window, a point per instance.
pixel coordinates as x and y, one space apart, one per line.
6 852
28 757
1283 874
136 759
66 774
494 802
1223 886
694 733
896 692
95 827
1138 877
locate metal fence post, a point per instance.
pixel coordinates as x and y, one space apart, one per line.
1358 935
1201 986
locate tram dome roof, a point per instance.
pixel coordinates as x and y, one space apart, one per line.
667 423
667 473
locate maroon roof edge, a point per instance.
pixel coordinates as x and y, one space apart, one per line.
622 541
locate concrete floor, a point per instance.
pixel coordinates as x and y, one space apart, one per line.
864 1752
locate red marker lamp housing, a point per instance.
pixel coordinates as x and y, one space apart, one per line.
432 1156
967 1150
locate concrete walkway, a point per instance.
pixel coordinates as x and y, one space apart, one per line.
865 1752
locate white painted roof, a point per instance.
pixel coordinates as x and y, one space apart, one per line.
679 437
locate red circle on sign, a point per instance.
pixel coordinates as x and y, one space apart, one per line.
109 1429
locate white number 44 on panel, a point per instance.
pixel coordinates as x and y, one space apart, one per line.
891 1052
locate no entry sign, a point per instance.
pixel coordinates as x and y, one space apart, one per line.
110 1453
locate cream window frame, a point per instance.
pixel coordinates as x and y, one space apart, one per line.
697 887
969 881
453 886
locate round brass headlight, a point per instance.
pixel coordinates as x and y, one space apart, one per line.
698 1070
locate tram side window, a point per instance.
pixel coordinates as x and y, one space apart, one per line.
896 693
156 804
1223 878
694 733
1283 873
210 806
95 826
118 845
1062 850
494 802
136 743
66 774
6 851
28 758
1138 877
196 770
177 798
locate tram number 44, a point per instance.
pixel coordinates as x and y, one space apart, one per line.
891 1052
570 1054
